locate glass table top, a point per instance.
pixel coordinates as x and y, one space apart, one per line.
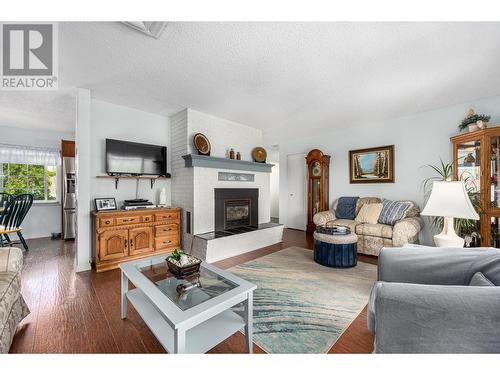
197 288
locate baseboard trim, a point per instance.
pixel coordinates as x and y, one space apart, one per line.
83 268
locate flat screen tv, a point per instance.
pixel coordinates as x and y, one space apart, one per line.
132 158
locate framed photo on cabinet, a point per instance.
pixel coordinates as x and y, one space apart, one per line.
371 165
105 204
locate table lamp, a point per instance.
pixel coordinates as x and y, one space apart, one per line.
449 199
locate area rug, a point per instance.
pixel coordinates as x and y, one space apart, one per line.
301 306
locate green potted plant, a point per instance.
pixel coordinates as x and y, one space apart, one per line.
473 121
445 172
181 264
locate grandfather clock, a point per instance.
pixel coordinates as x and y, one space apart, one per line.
318 166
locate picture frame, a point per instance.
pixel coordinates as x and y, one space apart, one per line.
372 165
105 204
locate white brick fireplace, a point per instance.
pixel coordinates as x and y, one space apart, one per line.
194 183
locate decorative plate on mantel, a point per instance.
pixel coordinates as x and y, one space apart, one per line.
202 144
259 155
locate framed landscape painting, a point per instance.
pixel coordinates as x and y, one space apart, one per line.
372 165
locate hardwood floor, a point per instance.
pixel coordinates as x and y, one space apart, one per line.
80 313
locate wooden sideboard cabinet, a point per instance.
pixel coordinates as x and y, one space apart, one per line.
125 235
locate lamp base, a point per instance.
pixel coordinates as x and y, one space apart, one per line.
448 237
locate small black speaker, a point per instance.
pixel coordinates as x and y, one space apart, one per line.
188 222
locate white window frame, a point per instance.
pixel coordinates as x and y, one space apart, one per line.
45 190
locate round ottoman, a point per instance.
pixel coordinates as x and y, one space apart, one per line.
336 250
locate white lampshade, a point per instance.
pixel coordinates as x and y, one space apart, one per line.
450 199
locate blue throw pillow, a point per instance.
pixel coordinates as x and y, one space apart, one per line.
346 208
393 211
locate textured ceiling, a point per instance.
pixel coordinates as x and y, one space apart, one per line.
290 77
52 110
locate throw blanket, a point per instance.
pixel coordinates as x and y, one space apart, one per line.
346 208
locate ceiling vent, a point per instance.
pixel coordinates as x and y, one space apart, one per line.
153 29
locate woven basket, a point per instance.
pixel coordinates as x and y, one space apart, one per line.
183 271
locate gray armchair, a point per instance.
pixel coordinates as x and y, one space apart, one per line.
423 303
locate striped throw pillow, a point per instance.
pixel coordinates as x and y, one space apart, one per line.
393 211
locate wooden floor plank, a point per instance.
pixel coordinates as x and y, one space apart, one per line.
80 313
107 287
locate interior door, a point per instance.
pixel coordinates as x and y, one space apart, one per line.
296 178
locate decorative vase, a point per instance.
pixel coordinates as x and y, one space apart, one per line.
231 154
163 197
238 156
473 128
481 124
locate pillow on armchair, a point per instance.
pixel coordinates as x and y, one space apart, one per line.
346 208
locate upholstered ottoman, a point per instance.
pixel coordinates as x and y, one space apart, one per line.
335 250
13 309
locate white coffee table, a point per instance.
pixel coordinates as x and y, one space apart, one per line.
197 320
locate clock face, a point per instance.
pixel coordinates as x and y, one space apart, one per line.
316 169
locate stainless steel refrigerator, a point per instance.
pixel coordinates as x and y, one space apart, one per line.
69 198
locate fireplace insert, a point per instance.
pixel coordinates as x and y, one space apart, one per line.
236 208
237 213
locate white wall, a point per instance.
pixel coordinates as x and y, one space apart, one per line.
83 178
43 218
419 139
223 135
275 191
118 122
273 157
182 177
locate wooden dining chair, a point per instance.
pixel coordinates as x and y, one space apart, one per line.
4 199
12 217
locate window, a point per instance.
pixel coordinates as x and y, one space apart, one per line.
26 170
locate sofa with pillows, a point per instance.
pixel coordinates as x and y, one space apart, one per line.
13 309
377 222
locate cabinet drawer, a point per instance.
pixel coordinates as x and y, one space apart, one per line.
147 219
168 241
166 230
167 216
106 222
127 220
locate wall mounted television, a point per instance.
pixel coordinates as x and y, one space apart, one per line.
136 159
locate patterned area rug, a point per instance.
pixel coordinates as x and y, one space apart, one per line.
301 306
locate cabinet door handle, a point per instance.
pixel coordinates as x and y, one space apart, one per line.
166 242
107 221
131 243
125 241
